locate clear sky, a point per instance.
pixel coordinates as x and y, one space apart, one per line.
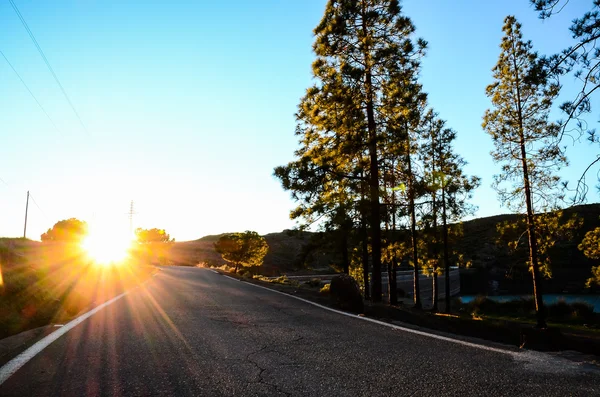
188 106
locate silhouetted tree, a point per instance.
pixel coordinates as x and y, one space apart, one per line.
68 230
146 236
242 249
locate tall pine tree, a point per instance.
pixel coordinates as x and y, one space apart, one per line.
449 190
359 44
526 143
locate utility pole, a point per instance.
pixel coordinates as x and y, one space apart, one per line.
26 209
131 213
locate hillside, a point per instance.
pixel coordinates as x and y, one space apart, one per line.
289 251
492 265
495 268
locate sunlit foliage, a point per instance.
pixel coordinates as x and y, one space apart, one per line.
364 49
550 228
580 60
590 246
526 143
246 249
68 230
145 236
153 245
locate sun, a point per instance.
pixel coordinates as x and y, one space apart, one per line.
105 248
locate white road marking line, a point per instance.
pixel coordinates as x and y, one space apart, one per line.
234 279
13 365
394 326
214 271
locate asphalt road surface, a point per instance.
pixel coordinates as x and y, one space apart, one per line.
190 331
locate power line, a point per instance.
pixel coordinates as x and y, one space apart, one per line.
30 93
38 207
14 6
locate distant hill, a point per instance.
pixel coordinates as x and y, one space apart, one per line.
492 265
289 250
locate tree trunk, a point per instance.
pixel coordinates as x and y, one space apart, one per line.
434 281
392 282
364 240
345 259
374 173
236 268
374 199
533 259
436 253
446 254
365 256
413 228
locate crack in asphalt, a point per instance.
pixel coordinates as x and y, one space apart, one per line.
261 380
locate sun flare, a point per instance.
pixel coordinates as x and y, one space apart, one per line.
106 249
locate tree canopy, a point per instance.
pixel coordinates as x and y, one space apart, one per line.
67 230
242 249
580 60
146 236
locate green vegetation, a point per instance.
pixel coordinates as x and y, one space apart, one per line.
577 313
283 280
153 246
246 249
42 283
525 142
360 129
581 60
68 230
590 245
148 236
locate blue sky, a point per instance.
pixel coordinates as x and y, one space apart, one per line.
188 106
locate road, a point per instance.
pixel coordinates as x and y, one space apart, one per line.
190 331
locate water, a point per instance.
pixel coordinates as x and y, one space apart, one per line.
593 300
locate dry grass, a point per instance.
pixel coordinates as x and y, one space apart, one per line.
51 283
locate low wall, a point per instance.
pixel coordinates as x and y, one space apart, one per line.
404 279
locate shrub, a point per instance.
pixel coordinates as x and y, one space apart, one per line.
345 291
577 311
314 282
517 307
326 289
559 310
583 311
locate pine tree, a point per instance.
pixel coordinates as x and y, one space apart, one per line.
449 190
526 143
359 45
582 61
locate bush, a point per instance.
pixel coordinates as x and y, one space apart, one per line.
576 311
314 282
559 310
518 307
583 311
345 291
326 289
